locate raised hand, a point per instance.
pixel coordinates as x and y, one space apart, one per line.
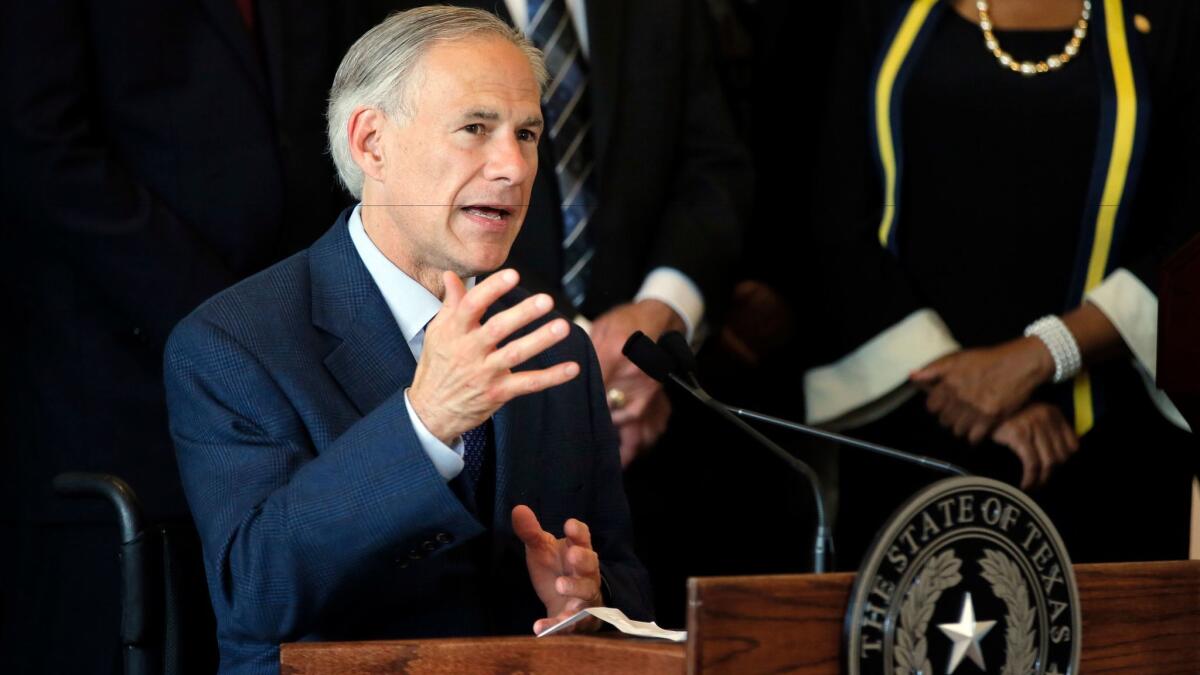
565 572
463 377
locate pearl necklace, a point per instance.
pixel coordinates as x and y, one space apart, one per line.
1029 68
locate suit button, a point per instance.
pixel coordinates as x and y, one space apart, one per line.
429 546
443 538
402 564
414 555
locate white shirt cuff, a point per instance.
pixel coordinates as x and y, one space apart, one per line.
871 381
582 321
674 289
447 460
1133 310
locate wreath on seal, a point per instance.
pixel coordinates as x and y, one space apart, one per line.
911 650
942 573
1007 584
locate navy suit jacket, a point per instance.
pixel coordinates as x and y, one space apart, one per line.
320 514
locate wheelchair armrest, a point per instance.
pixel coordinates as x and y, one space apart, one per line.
107 486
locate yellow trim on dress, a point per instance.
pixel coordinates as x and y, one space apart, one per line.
896 54
1114 184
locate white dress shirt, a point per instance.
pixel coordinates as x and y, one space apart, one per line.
413 306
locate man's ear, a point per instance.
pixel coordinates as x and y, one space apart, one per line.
365 132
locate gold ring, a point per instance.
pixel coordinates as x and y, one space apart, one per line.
616 398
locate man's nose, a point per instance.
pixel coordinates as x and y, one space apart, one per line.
510 159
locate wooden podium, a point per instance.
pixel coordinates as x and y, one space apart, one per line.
1138 618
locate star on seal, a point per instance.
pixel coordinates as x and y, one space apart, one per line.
966 635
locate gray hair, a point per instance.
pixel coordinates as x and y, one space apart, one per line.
378 69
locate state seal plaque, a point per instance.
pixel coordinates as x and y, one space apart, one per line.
969 576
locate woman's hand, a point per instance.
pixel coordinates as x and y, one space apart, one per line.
972 391
1041 438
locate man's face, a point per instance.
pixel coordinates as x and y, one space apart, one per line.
458 174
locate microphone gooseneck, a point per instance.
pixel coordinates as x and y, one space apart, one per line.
683 362
655 362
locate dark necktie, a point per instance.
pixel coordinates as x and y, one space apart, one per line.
568 118
476 449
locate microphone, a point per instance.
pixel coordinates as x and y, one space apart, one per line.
655 362
682 361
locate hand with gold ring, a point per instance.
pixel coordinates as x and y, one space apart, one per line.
639 407
616 398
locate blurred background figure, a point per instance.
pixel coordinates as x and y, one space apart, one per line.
986 165
154 153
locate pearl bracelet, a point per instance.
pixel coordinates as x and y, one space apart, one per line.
1051 330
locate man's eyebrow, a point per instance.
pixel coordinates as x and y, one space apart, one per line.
481 114
493 116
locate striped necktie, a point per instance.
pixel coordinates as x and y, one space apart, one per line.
568 118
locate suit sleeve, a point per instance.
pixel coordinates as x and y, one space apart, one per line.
701 227
67 179
286 531
626 584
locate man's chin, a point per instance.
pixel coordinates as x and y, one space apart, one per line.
481 265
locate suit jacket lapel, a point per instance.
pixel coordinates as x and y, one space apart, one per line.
606 47
372 360
223 15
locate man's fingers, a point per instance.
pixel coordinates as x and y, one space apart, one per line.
578 533
471 307
634 408
526 347
543 624
526 526
528 382
583 588
454 289
514 318
583 561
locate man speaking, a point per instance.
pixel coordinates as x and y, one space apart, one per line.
365 434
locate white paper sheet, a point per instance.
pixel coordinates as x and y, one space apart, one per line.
616 618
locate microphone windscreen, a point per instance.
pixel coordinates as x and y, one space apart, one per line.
677 348
646 355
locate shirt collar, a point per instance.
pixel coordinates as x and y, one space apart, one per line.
411 304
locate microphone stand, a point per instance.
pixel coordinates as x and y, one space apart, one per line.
919 460
820 551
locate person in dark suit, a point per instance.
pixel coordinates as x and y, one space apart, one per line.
363 437
639 227
154 154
